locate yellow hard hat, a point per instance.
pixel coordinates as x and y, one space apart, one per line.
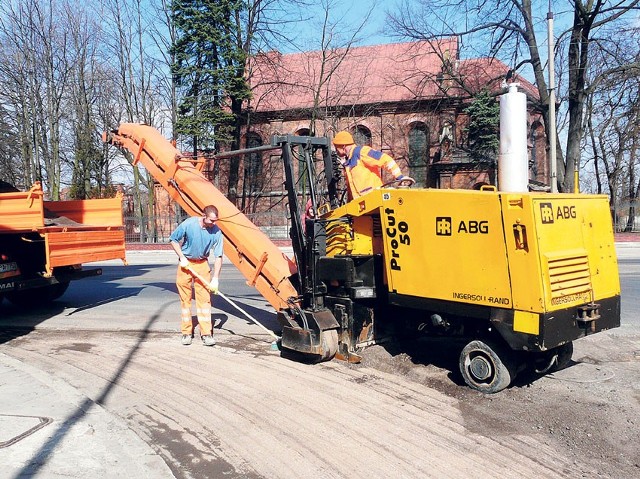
343 138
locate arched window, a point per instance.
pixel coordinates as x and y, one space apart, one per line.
362 136
253 166
419 153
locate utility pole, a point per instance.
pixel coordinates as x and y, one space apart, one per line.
552 105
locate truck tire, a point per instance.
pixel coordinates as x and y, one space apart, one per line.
487 367
38 296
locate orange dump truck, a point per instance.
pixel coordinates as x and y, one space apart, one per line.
44 243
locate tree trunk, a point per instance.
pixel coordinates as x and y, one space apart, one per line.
234 162
633 188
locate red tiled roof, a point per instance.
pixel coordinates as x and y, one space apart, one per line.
360 75
366 75
478 73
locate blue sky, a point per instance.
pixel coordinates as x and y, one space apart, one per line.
344 17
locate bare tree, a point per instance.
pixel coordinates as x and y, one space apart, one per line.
9 150
85 153
336 42
163 34
613 127
128 43
314 78
507 29
17 79
36 73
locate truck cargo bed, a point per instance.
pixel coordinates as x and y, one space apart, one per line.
73 232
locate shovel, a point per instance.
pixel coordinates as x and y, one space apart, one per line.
205 283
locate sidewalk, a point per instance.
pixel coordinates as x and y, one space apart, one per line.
49 430
284 244
627 237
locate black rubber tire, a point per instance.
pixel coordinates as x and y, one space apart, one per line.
57 290
37 296
487 367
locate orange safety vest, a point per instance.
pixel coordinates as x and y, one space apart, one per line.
364 170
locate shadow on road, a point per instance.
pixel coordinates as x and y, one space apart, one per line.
82 295
442 353
41 456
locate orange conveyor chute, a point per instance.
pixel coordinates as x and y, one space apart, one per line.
249 249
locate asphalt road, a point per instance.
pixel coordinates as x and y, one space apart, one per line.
109 350
143 295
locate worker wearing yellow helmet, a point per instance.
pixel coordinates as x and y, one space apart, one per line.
363 165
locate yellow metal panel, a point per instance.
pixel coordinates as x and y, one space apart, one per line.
522 248
363 235
526 322
567 256
360 206
446 244
568 272
575 235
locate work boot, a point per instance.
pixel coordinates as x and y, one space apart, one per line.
208 340
186 339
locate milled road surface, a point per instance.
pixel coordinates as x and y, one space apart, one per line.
239 410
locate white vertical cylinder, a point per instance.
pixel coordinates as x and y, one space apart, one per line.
513 165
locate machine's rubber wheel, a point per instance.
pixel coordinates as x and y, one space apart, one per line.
487 367
57 290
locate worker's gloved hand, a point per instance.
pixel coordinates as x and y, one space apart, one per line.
213 286
404 180
184 263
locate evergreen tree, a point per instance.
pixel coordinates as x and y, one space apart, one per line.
483 128
208 70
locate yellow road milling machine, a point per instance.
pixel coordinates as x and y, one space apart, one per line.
512 276
515 276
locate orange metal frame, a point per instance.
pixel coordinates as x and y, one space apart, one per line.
249 249
22 210
97 235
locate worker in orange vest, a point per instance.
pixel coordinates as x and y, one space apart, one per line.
363 165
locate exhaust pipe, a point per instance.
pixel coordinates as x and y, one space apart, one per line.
513 164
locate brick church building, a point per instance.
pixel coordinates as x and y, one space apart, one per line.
406 99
